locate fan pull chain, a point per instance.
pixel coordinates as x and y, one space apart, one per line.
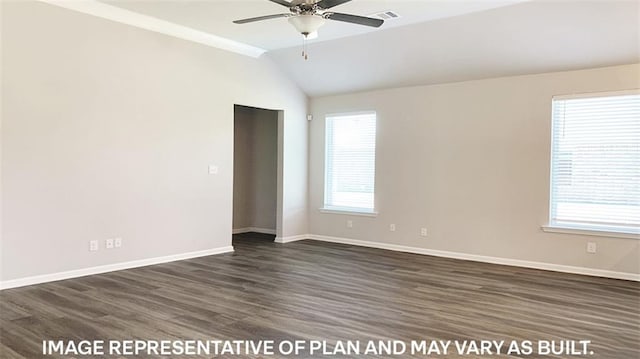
305 53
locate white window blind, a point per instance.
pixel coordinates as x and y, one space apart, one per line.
350 162
595 163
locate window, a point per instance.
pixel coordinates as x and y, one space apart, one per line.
595 162
350 161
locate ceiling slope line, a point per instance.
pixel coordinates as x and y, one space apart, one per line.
113 13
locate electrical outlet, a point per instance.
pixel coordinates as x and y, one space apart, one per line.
392 227
349 224
423 232
118 242
591 247
213 170
109 243
93 245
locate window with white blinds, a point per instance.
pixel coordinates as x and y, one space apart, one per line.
595 162
350 162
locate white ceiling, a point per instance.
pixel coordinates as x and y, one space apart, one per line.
216 17
434 41
531 37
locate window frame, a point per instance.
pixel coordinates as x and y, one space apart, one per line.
568 227
358 211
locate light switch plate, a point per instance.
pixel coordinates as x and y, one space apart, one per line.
213 170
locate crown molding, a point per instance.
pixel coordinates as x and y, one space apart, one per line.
114 13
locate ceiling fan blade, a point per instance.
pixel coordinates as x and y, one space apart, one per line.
260 18
282 2
355 19
328 4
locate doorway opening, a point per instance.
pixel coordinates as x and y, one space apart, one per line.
256 180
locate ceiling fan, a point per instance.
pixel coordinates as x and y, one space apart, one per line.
307 16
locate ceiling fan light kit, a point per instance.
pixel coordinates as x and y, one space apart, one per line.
307 16
306 24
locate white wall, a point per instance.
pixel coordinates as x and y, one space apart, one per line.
469 161
108 131
255 168
1 112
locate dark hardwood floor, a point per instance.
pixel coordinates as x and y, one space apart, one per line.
314 290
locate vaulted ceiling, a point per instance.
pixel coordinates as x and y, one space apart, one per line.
433 41
216 17
532 37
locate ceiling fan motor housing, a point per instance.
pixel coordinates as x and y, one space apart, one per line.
307 16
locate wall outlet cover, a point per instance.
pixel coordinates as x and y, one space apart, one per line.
94 245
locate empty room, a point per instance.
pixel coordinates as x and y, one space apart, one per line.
320 179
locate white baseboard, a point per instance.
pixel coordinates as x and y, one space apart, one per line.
21 282
479 258
254 229
292 238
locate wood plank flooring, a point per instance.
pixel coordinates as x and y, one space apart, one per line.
314 290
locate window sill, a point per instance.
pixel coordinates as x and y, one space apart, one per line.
589 232
349 212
